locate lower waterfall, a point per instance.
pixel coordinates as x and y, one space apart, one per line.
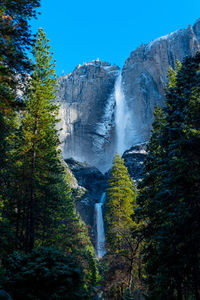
100 241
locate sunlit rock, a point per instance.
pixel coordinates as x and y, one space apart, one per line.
145 75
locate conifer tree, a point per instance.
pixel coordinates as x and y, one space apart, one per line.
38 189
40 137
170 201
45 273
15 38
121 194
122 244
40 210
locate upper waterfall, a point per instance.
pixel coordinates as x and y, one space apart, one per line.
120 116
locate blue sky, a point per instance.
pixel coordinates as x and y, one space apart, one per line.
83 30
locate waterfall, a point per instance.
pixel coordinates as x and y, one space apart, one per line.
120 116
121 121
100 242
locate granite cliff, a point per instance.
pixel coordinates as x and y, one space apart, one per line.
88 113
87 118
145 76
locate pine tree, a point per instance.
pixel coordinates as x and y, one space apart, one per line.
121 241
37 187
15 38
45 273
169 201
149 210
41 210
15 34
121 194
40 140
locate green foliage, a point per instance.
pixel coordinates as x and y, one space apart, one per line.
169 199
15 33
37 188
121 195
122 263
44 273
15 39
172 75
36 202
127 295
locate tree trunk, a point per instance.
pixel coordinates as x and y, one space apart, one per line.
32 201
31 234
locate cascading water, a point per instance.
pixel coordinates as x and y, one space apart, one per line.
120 116
100 242
121 119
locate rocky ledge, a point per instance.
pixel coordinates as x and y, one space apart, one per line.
134 160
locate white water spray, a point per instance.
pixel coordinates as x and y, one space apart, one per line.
120 115
100 242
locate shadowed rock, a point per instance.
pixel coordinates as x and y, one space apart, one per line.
134 160
94 183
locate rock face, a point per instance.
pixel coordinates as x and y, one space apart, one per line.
134 160
145 76
87 112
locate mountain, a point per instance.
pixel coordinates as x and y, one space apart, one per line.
96 107
145 76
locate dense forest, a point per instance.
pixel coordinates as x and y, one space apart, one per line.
152 226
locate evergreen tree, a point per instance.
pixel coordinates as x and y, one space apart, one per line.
39 147
15 34
169 199
37 188
15 39
122 261
121 195
40 210
44 273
